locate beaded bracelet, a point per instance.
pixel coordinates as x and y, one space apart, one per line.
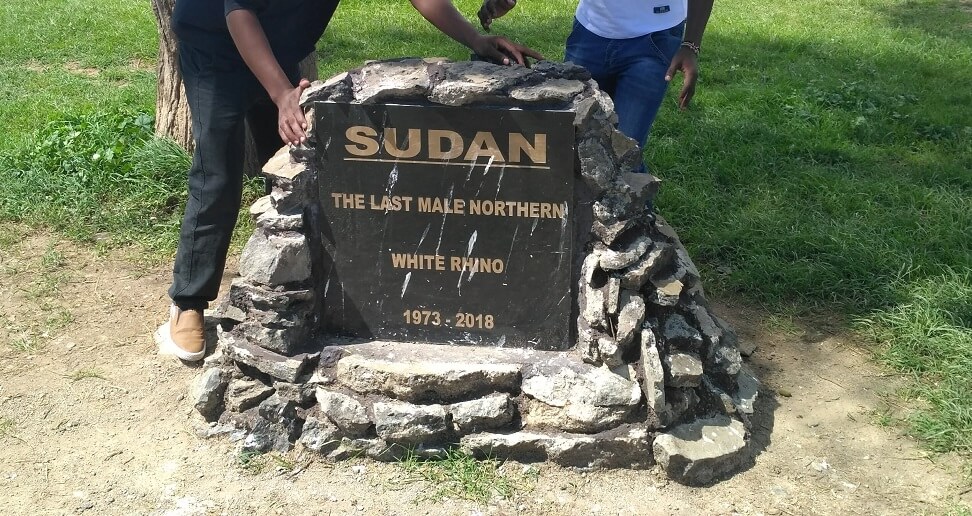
691 46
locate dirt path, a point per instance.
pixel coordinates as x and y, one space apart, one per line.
92 420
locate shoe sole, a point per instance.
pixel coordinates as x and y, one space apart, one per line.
167 347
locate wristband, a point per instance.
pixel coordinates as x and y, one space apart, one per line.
691 46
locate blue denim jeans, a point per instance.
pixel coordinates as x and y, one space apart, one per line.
221 95
631 71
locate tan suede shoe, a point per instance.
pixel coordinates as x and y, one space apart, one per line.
183 335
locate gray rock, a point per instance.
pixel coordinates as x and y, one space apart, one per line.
652 375
686 270
593 306
272 221
208 392
278 366
287 335
716 401
292 179
277 429
666 231
589 341
577 398
320 435
627 155
425 379
595 112
473 82
643 186
344 411
711 332
608 232
612 295
243 394
304 394
630 319
678 332
555 91
596 165
336 88
250 297
261 206
557 70
680 404
493 411
746 347
748 391
610 352
702 451
637 274
399 79
723 357
666 292
684 369
613 260
408 424
275 259
624 447
265 436
376 449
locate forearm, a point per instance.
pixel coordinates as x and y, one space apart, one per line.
445 17
252 43
698 17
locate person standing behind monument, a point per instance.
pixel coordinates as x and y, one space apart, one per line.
239 62
633 49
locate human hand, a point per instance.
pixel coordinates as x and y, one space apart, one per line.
494 9
687 62
501 50
291 124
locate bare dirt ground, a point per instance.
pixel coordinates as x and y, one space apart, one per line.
93 421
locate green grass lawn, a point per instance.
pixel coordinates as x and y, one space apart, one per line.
825 166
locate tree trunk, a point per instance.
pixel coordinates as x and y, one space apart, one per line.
171 108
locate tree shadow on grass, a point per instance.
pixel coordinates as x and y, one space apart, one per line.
950 19
811 172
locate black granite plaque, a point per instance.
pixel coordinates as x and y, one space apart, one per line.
448 225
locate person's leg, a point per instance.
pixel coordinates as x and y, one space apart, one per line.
593 52
217 99
641 84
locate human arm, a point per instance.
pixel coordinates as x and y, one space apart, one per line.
447 19
686 59
251 41
492 9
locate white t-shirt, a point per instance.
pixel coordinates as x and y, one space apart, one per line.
621 19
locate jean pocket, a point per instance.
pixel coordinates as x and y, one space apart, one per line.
667 41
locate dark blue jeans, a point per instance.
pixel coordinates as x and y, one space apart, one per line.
222 95
631 71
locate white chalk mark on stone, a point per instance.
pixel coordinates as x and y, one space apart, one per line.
469 248
408 277
509 254
424 233
499 183
442 228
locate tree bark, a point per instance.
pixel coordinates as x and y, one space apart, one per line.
171 108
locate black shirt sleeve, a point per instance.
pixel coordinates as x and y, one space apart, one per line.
257 6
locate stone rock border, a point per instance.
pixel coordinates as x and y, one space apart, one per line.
654 376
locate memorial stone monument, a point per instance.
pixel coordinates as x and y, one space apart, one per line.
460 257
